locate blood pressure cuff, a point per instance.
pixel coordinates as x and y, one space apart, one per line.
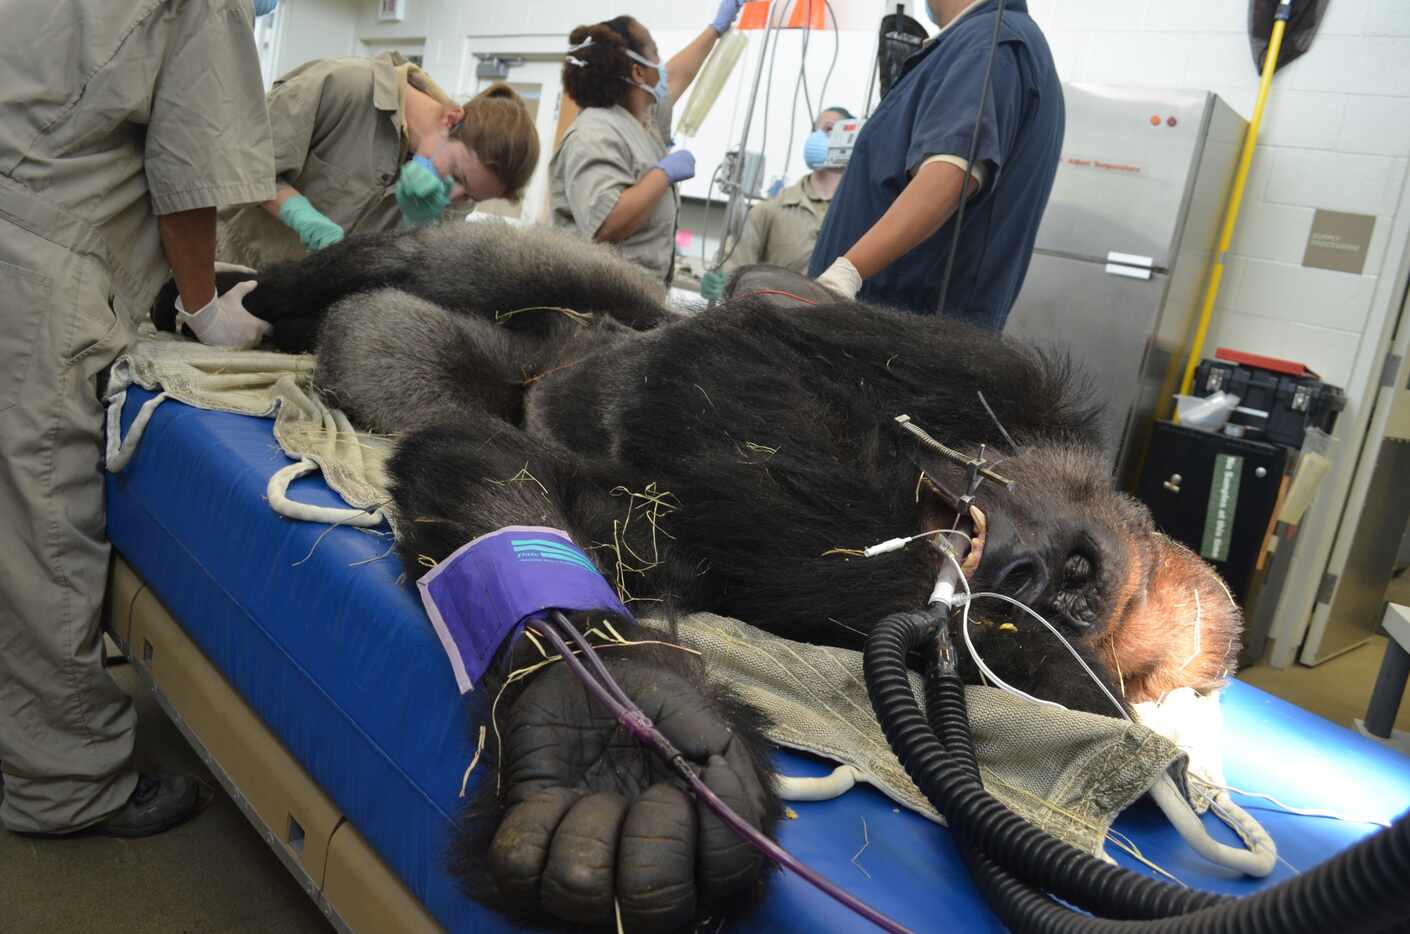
488 589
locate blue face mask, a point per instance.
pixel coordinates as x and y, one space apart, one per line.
662 88
265 7
815 149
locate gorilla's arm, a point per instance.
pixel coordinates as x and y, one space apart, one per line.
584 816
293 296
525 280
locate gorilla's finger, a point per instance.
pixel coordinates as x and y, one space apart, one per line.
753 777
520 847
690 722
656 861
578 881
726 863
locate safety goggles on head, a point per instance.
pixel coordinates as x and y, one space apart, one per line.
661 89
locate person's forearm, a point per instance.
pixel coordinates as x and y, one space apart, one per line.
923 208
188 239
634 205
685 65
282 193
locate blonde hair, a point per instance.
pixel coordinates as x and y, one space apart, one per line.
499 130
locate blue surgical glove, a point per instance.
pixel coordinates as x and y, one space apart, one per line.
312 225
421 193
712 285
725 15
678 165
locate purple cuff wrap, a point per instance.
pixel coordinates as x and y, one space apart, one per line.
486 590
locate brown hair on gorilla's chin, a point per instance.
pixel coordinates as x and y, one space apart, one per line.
1177 625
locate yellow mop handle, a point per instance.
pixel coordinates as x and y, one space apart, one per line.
1236 197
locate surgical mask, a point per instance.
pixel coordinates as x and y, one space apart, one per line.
265 7
815 149
661 90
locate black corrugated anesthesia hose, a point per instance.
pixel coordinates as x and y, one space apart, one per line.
1015 863
979 819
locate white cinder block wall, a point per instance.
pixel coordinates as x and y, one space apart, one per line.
1336 136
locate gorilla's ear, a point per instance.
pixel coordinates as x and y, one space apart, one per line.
778 286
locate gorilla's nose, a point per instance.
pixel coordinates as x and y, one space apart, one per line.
1024 578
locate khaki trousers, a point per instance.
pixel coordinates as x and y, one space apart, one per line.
66 730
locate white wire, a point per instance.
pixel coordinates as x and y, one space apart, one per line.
1301 812
974 653
1126 844
1051 628
896 544
1195 654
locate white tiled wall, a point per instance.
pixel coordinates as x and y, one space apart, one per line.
1336 135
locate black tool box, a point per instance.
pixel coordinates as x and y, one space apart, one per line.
1278 400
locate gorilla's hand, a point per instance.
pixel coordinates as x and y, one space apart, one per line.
595 817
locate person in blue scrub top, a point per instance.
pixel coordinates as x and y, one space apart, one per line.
888 233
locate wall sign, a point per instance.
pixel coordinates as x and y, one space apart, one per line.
1338 241
391 10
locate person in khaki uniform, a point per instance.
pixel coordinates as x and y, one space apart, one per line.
613 175
123 123
344 128
782 230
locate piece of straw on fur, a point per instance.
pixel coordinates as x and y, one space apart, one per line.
578 317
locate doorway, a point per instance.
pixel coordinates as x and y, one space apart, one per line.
539 83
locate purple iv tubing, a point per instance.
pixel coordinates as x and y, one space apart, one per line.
609 693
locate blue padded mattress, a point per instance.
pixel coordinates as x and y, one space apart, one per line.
339 661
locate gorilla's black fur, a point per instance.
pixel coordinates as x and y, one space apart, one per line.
716 462
450 266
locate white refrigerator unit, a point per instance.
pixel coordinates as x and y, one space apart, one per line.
1125 244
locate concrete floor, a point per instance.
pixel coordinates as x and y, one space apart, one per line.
215 875
1338 689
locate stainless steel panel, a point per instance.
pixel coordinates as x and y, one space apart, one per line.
1104 321
1204 210
1128 163
1360 596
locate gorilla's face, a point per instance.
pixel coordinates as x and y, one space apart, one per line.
1089 560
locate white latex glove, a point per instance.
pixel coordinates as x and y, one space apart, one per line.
841 278
224 322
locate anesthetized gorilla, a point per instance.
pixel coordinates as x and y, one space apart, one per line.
718 462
